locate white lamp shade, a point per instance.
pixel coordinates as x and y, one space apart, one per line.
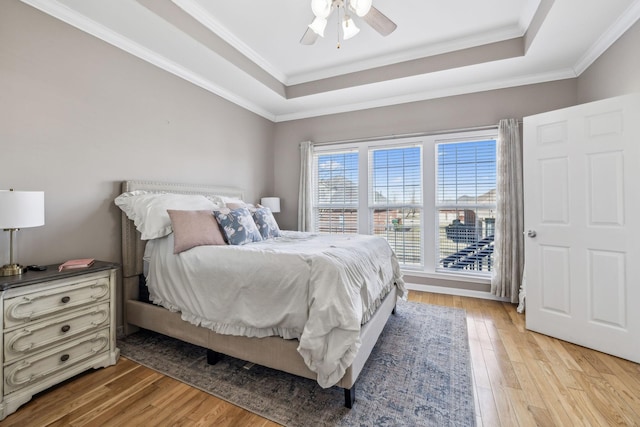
318 25
21 209
349 28
272 203
321 8
360 7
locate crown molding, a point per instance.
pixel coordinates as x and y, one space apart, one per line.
203 16
448 46
613 33
563 74
67 15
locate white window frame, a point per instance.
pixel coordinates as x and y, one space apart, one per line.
429 267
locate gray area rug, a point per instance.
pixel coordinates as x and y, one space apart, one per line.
419 374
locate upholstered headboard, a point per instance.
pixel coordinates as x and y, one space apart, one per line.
132 245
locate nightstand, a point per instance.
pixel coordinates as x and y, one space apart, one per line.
54 325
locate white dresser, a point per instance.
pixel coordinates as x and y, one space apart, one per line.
54 326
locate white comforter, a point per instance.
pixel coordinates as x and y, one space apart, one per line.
317 288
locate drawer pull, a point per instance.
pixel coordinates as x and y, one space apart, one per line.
65 328
65 300
64 357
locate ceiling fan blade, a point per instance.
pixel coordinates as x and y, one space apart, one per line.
309 37
379 22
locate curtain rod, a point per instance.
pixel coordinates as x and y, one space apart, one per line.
407 135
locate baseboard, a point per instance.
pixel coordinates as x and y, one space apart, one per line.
454 291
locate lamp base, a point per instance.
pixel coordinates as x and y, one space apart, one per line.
12 270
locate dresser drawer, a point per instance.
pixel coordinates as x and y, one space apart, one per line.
40 367
36 336
49 302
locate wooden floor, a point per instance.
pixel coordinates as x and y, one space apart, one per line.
520 379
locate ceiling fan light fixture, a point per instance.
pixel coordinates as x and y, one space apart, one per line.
349 28
360 7
321 8
318 25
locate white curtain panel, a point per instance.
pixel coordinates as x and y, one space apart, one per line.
304 192
509 238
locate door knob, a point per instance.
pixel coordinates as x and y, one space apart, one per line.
531 233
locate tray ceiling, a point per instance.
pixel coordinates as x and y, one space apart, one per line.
248 51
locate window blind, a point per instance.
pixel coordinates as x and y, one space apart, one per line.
465 204
395 199
335 201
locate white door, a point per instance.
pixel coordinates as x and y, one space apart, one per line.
582 215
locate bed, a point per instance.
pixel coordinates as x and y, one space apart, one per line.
282 351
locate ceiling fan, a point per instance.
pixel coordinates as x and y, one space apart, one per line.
361 8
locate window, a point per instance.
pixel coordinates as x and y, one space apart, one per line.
466 204
431 197
335 201
395 200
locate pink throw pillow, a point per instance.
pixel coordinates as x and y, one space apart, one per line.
194 228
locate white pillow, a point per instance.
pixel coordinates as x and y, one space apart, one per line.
148 211
218 200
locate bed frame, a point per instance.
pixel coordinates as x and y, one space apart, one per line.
272 352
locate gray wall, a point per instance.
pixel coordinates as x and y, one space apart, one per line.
78 116
615 72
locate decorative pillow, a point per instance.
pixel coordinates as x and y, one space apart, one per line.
148 211
238 226
232 202
194 228
235 205
266 223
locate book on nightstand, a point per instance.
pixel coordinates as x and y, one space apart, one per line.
76 263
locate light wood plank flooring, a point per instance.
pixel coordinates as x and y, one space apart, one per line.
520 379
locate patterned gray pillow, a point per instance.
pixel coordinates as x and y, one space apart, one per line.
266 223
238 226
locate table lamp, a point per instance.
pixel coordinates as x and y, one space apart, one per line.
19 209
272 203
